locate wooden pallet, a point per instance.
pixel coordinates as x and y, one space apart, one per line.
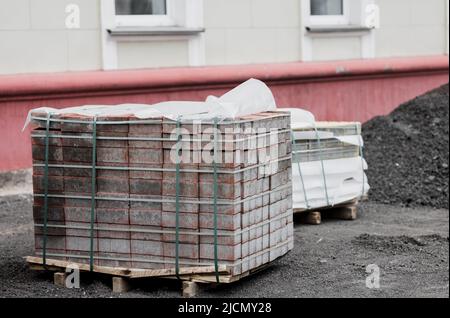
346 211
193 278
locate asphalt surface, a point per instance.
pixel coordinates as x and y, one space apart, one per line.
409 245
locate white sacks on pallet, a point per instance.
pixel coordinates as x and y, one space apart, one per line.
328 167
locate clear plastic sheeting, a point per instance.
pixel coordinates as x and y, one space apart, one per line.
251 97
328 165
300 118
344 180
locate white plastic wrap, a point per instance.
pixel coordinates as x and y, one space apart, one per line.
345 181
252 96
325 183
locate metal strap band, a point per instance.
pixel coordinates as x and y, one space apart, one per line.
161 261
216 190
93 191
44 243
140 230
322 165
300 173
177 202
126 199
149 121
222 171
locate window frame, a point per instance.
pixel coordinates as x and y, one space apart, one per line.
188 17
353 26
146 20
324 20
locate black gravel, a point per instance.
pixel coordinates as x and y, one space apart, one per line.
407 152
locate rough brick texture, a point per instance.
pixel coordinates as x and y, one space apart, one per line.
135 209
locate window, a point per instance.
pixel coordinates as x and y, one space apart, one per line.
141 7
328 19
329 12
327 7
143 13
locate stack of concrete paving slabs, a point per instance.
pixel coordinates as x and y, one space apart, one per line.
327 142
121 191
328 164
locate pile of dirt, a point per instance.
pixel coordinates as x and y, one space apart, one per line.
407 152
398 244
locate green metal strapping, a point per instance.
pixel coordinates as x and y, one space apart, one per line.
237 171
300 172
44 243
219 202
177 201
93 191
130 138
140 230
322 165
145 121
216 256
93 197
162 261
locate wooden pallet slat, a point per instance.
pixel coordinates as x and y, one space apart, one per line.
52 264
120 285
122 277
190 289
345 211
59 279
313 218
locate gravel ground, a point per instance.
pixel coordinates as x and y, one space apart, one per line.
410 246
408 152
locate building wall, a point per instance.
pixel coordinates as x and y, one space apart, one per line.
336 48
407 28
412 28
364 90
33 36
151 54
251 31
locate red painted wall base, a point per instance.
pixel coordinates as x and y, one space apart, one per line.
350 91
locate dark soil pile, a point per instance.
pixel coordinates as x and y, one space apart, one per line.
398 244
407 152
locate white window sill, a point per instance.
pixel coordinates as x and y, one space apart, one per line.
336 29
154 31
